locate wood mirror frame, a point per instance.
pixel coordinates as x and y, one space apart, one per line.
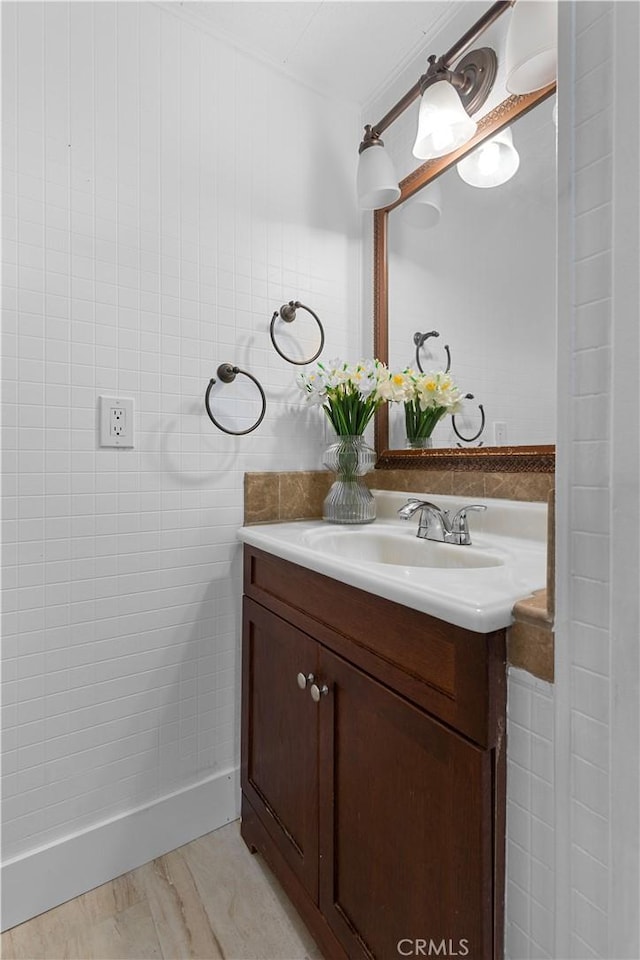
538 459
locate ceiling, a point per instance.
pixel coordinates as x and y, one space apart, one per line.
347 48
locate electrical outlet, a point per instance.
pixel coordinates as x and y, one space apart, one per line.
499 433
116 422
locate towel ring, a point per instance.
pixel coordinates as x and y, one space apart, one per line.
287 312
419 340
469 396
227 374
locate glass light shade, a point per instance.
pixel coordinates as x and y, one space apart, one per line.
424 210
377 182
443 123
531 53
494 162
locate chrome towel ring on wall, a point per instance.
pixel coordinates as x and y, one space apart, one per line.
227 373
287 313
420 338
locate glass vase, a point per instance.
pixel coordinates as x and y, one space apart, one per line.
420 424
349 499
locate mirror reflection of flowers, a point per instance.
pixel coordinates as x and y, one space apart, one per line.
349 393
427 398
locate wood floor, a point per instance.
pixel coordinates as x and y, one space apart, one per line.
208 899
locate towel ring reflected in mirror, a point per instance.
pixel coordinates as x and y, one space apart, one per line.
287 313
469 396
227 373
420 338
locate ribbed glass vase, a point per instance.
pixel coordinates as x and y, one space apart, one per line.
349 499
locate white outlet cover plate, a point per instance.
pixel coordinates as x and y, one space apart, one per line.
500 433
107 436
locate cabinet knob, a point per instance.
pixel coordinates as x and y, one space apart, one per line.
317 692
304 679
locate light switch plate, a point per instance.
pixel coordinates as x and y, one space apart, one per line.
116 422
499 433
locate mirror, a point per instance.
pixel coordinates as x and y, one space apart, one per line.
478 268
479 272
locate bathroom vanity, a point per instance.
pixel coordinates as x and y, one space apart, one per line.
373 763
373 749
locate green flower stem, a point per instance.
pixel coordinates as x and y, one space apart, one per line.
421 423
350 414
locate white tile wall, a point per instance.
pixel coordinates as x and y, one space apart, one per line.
163 195
530 818
597 675
585 586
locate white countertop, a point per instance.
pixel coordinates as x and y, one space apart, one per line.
478 598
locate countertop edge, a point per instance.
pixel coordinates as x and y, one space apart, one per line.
469 617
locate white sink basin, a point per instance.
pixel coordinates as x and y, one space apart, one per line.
369 545
472 586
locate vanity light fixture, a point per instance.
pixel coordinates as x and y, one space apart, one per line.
492 163
448 98
531 51
424 210
377 182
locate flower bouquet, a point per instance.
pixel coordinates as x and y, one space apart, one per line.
427 398
349 394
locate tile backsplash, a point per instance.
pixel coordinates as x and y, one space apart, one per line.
299 494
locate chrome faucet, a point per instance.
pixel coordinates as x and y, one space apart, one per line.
434 523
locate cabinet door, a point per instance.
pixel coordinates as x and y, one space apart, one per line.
279 737
405 825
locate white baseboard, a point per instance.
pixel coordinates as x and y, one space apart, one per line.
47 876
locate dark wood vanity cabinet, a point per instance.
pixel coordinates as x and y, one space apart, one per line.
379 804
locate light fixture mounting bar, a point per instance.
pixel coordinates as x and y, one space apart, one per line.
465 41
398 108
475 31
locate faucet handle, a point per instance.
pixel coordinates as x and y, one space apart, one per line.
459 522
408 509
414 504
